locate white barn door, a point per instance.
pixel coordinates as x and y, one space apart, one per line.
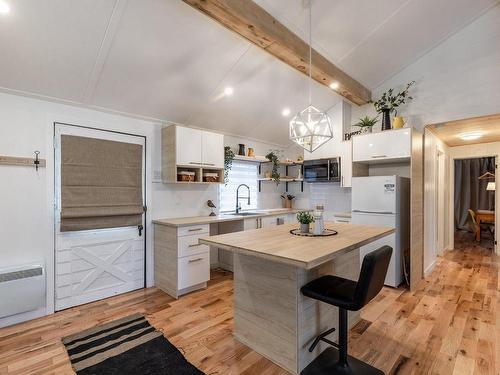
94 264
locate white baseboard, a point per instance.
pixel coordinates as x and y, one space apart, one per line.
430 268
23 317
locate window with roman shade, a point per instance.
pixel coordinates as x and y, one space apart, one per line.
101 184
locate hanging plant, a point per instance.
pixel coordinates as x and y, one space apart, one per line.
273 158
228 162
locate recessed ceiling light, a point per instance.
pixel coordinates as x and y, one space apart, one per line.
334 85
285 112
470 136
228 91
4 7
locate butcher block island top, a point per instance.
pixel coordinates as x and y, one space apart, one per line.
279 245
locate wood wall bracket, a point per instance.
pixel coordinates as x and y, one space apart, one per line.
26 162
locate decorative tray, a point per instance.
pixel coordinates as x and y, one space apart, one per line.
326 233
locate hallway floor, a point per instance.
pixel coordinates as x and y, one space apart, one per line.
449 325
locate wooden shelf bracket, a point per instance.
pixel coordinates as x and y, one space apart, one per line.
26 162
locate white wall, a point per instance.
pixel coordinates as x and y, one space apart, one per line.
26 206
432 146
457 79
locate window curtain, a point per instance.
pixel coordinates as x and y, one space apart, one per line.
470 191
101 184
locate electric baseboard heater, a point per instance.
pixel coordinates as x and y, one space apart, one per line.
22 289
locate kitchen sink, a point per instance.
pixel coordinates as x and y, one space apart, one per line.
244 214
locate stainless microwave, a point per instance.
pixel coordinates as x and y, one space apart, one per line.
322 170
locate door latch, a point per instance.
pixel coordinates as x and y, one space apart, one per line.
140 228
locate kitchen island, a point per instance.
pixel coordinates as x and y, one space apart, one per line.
270 266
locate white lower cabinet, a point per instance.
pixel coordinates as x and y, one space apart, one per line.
250 224
188 245
181 263
193 270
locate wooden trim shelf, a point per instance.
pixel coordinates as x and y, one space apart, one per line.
261 159
26 162
269 179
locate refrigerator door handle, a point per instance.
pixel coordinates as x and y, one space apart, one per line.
375 212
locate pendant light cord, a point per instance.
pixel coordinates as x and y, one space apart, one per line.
310 51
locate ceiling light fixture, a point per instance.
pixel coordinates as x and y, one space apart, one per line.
311 128
285 112
334 85
4 7
228 91
470 136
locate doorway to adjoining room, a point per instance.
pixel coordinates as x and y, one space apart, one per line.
474 205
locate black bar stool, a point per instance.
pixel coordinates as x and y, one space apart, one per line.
346 295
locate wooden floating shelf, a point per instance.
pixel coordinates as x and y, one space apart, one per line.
25 162
268 179
195 182
261 159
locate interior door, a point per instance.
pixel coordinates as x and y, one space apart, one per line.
96 264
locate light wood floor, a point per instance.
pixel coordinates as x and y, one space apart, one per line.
450 325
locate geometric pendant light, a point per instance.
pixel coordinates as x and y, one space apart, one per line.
310 128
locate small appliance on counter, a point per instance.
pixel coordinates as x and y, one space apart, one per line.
319 225
322 170
384 201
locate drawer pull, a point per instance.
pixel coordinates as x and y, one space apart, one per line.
195 229
379 156
195 245
194 260
208 163
195 162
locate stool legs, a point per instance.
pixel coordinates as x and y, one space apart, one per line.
334 361
342 338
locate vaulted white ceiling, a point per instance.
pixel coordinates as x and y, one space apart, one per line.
162 59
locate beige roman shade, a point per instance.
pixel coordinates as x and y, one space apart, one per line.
101 184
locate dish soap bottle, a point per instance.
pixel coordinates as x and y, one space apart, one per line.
319 225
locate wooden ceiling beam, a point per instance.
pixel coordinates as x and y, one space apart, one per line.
259 27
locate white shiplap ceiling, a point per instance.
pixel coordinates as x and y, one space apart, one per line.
162 59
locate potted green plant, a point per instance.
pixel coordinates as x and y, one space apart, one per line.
273 158
228 162
365 124
305 219
389 102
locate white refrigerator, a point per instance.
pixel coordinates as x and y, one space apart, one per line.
384 201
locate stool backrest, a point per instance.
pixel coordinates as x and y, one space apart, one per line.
372 276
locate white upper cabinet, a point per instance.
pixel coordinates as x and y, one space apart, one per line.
199 148
346 163
212 149
188 145
384 147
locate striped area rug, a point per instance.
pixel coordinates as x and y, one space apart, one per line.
126 346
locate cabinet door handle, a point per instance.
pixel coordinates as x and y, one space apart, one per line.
195 162
208 163
379 156
194 260
195 245
194 230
